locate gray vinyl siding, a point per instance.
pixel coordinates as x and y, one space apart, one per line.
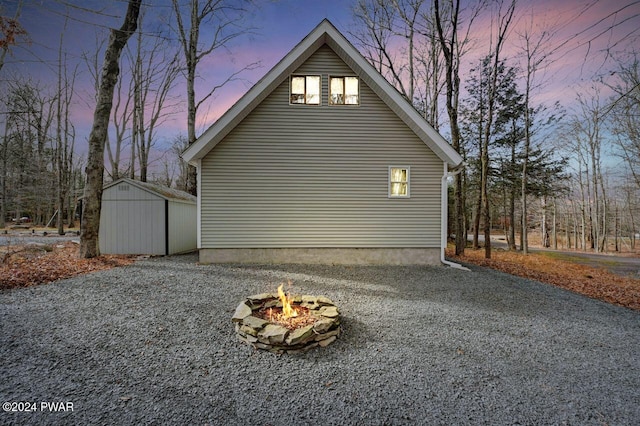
317 176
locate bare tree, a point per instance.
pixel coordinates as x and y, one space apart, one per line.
625 112
409 13
180 143
122 116
453 40
504 18
224 20
4 173
173 172
122 110
535 53
631 208
65 134
90 225
38 117
375 34
28 168
399 39
431 70
154 69
584 138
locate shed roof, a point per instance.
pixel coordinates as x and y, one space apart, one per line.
324 33
159 190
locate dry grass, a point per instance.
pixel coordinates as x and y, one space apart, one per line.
592 282
28 265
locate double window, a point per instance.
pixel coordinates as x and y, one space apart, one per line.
399 179
307 89
344 91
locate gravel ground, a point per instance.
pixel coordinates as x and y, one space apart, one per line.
152 343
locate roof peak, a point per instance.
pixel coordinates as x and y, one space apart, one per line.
324 33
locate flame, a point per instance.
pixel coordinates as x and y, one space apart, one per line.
287 310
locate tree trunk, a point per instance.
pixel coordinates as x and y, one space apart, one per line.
512 221
566 229
511 239
194 34
544 231
3 175
524 245
633 228
465 212
615 231
604 230
595 221
505 216
59 157
575 228
554 233
476 221
90 226
459 215
486 214
501 36
584 229
449 50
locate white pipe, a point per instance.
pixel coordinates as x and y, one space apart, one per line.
199 203
444 215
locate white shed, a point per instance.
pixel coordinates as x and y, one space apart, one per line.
144 218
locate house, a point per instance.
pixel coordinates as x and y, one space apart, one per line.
144 218
322 161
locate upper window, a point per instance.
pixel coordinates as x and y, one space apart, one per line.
344 91
399 182
305 89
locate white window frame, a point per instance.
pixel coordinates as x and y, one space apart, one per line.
343 77
305 76
408 182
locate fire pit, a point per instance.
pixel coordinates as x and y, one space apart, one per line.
285 324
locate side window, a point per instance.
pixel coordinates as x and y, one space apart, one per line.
305 89
399 181
344 91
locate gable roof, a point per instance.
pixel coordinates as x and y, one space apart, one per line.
158 190
324 33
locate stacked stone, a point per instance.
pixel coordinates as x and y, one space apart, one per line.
262 334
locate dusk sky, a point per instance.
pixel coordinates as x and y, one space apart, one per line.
581 39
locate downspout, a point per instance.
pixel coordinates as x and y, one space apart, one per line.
199 204
444 215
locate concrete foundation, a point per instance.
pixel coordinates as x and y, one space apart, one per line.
324 256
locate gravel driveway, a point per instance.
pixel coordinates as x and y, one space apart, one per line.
153 343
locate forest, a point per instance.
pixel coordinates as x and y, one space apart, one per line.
563 171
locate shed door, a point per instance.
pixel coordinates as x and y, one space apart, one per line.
133 227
